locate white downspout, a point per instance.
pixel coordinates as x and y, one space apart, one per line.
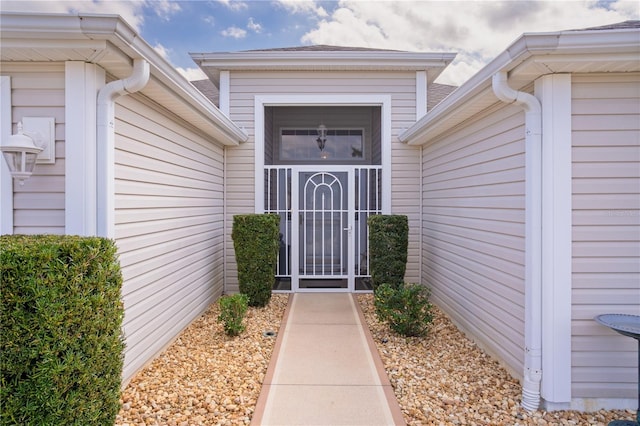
106 143
533 237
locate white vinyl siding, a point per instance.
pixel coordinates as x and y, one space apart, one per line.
38 91
169 225
473 230
606 231
405 177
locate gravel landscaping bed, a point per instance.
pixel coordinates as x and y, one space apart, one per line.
445 379
207 378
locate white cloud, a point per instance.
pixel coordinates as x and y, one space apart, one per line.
254 26
192 74
477 31
234 32
164 8
234 5
162 51
303 7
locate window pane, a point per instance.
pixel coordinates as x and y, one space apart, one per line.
339 144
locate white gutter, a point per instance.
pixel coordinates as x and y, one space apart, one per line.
533 236
106 143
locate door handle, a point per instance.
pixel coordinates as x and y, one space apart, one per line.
348 228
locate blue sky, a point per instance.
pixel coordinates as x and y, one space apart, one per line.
476 30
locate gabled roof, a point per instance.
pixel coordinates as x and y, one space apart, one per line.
322 58
108 41
322 48
617 26
436 93
529 57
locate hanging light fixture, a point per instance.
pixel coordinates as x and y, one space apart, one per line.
322 140
20 153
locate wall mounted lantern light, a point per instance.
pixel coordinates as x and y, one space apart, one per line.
322 140
21 151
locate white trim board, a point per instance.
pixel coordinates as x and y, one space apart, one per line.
82 82
6 181
554 92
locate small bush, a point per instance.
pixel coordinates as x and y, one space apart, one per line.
405 308
388 246
232 310
256 241
61 343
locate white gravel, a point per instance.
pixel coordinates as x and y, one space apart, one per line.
207 378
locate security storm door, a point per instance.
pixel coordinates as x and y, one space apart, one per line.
323 225
325 211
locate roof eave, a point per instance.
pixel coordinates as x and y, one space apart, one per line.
528 58
113 44
213 63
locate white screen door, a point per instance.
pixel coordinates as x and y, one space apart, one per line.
324 212
323 225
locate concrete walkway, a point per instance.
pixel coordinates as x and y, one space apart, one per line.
325 368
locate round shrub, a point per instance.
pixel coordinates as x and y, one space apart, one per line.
405 308
232 311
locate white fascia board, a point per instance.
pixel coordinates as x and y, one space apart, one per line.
41 26
413 60
611 45
600 41
326 61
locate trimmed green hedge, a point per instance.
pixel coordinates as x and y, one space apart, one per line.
61 346
256 241
388 246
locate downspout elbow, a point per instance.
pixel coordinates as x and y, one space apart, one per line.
506 94
501 88
135 82
106 142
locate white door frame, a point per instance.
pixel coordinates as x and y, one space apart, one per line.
262 101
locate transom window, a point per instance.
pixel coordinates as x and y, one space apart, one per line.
329 144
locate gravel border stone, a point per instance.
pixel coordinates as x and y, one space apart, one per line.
207 378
